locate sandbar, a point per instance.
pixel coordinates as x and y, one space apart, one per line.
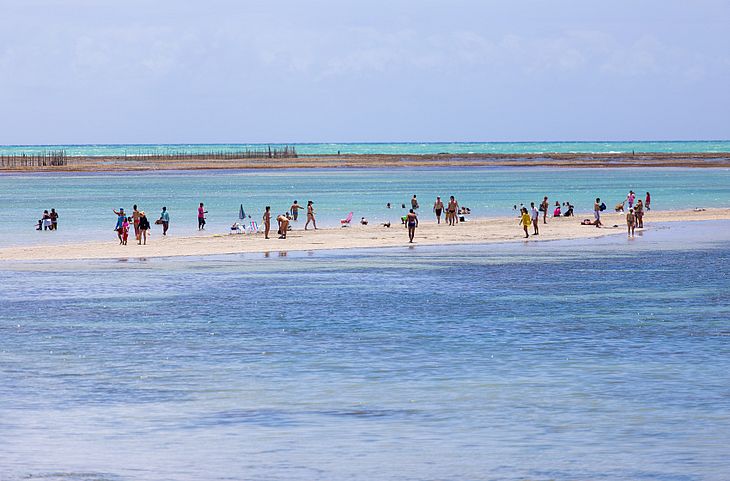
475 231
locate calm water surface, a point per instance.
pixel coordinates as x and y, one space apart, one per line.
595 359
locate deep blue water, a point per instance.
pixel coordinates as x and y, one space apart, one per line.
596 359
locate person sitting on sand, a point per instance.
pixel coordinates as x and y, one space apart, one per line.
438 207
363 221
386 224
310 216
283 225
525 221
556 212
631 222
412 223
569 210
144 226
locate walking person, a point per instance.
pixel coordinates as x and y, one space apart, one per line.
294 209
535 218
451 211
631 222
267 220
54 219
121 217
144 226
310 216
201 217
597 209
544 206
525 221
411 223
135 220
165 220
631 197
438 207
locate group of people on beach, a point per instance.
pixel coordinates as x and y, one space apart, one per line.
634 216
451 211
48 221
139 222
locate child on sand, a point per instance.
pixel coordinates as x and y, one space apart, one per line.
525 221
125 230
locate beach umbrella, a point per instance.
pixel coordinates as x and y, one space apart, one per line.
241 213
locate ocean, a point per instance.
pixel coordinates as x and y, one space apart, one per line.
572 360
706 146
85 200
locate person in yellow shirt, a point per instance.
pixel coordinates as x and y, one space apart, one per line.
525 221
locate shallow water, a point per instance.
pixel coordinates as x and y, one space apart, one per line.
595 359
388 148
85 201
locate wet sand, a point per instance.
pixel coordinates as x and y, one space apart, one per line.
588 160
476 231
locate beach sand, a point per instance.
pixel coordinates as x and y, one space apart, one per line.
476 231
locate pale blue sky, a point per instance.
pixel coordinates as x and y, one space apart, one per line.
144 71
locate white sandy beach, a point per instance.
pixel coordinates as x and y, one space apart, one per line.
477 231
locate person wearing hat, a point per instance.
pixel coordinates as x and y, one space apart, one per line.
144 226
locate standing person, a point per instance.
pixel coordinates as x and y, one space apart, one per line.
144 226
54 219
47 225
121 217
451 210
267 220
647 203
411 223
310 216
597 209
544 206
125 230
438 207
535 218
135 219
201 217
294 209
630 222
414 202
165 220
639 212
283 225
525 221
631 197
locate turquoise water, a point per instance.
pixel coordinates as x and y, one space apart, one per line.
85 201
585 360
390 148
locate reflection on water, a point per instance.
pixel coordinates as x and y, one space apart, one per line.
600 358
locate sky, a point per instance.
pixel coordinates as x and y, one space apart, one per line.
219 71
